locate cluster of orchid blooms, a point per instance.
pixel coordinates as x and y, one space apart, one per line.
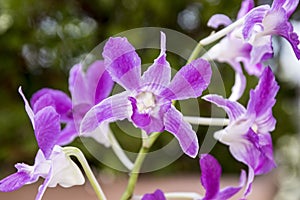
147 102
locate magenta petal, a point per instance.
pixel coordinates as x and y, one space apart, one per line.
122 62
189 81
140 119
210 176
182 130
218 20
47 129
247 5
157 195
55 98
263 97
158 75
233 109
288 5
116 107
14 181
67 135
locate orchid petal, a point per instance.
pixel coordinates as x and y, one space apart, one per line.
228 192
232 108
122 62
55 98
288 5
210 176
239 86
43 187
28 109
14 181
157 195
189 81
246 6
263 97
67 134
182 130
116 107
100 134
158 75
217 20
47 129
262 49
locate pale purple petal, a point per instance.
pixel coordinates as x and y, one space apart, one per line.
218 20
246 6
189 81
122 62
157 195
228 192
262 49
288 5
239 86
263 97
253 19
183 131
116 107
233 109
55 98
47 129
14 181
158 75
28 109
210 176
43 187
67 134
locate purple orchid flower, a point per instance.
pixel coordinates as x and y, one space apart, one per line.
147 101
263 22
51 163
240 51
87 89
157 195
248 133
210 179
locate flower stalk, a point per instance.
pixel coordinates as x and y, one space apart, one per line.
73 151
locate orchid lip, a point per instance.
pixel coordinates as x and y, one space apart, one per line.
146 101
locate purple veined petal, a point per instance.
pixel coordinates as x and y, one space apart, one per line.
228 192
253 18
233 109
67 134
122 62
14 181
183 132
47 129
266 122
158 75
218 20
28 109
262 49
116 107
55 98
288 5
246 6
249 182
157 195
262 98
210 176
190 81
140 119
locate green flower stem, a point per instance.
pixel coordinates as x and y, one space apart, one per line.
214 37
73 151
147 143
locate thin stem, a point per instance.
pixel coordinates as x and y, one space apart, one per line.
73 151
214 37
138 164
207 121
119 151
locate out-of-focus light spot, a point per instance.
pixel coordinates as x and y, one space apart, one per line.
49 26
46 57
6 22
72 30
87 26
188 19
30 54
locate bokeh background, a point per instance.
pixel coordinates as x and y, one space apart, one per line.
41 40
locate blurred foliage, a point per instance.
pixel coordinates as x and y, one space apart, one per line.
41 40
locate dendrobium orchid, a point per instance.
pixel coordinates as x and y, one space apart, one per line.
157 195
211 172
147 99
248 133
87 89
51 163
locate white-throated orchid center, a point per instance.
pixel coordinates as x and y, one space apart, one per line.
145 102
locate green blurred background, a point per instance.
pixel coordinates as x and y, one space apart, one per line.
41 40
